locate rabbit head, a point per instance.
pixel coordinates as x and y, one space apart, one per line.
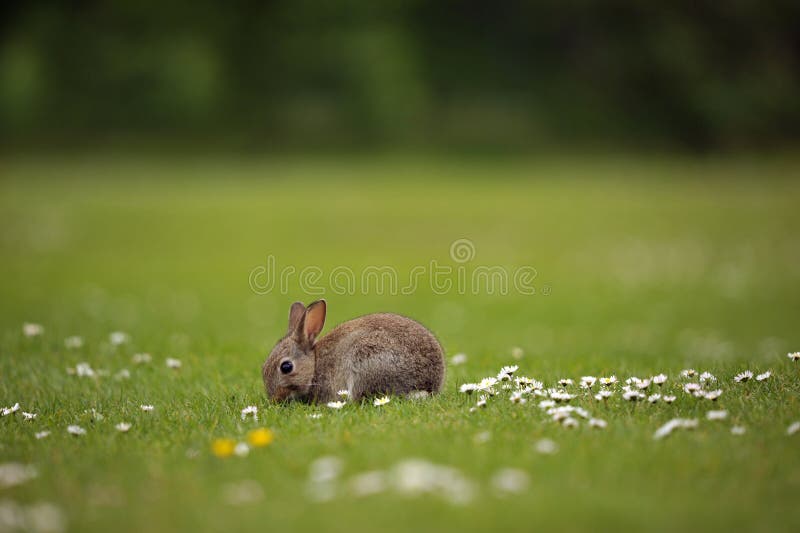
289 370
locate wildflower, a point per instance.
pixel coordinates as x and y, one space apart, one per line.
122 374
523 381
32 330
458 359
141 358
794 356
569 422
507 372
660 379
250 410
118 337
258 438
314 416
669 399
517 353
84 370
546 446
713 395
643 384
28 416
377 402
675 423
468 388
9 410
688 373
517 397
793 428
610 380
76 430
763 377
738 430
241 449
633 380
633 396
565 381
546 404
173 363
146 408
561 396
486 384
587 382
707 376
344 394
95 414
510 481
691 388
653 398
743 376
41 435
481 402
603 395
223 447
337 405
73 343
123 427
597 423
717 415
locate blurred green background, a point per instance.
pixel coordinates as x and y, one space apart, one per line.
357 74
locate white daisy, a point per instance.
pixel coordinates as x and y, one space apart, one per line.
141 358
691 388
517 353
717 415
608 381
546 404
122 374
653 398
562 396
660 379
794 356
569 422
597 423
9 410
707 376
339 405
76 430
713 395
314 416
41 435
738 430
458 359
793 428
146 408
173 363
73 343
675 423
381 401
123 427
84 370
486 384
507 372
517 397
118 337
587 382
32 330
344 393
669 399
743 376
633 396
643 384
241 449
250 410
28 416
468 388
688 373
565 381
481 402
763 377
633 380
603 395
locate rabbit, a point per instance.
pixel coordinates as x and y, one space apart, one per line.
382 353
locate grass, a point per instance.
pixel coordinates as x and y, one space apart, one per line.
643 266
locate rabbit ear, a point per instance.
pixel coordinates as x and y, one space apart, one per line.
315 320
296 313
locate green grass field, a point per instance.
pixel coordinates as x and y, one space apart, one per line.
642 266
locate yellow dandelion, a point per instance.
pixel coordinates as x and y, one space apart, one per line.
260 437
223 447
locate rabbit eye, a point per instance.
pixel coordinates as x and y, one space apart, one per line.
286 367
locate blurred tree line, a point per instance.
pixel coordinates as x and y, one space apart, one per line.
702 74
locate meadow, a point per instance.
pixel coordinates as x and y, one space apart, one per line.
643 266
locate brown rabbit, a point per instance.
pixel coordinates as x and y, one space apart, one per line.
381 353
